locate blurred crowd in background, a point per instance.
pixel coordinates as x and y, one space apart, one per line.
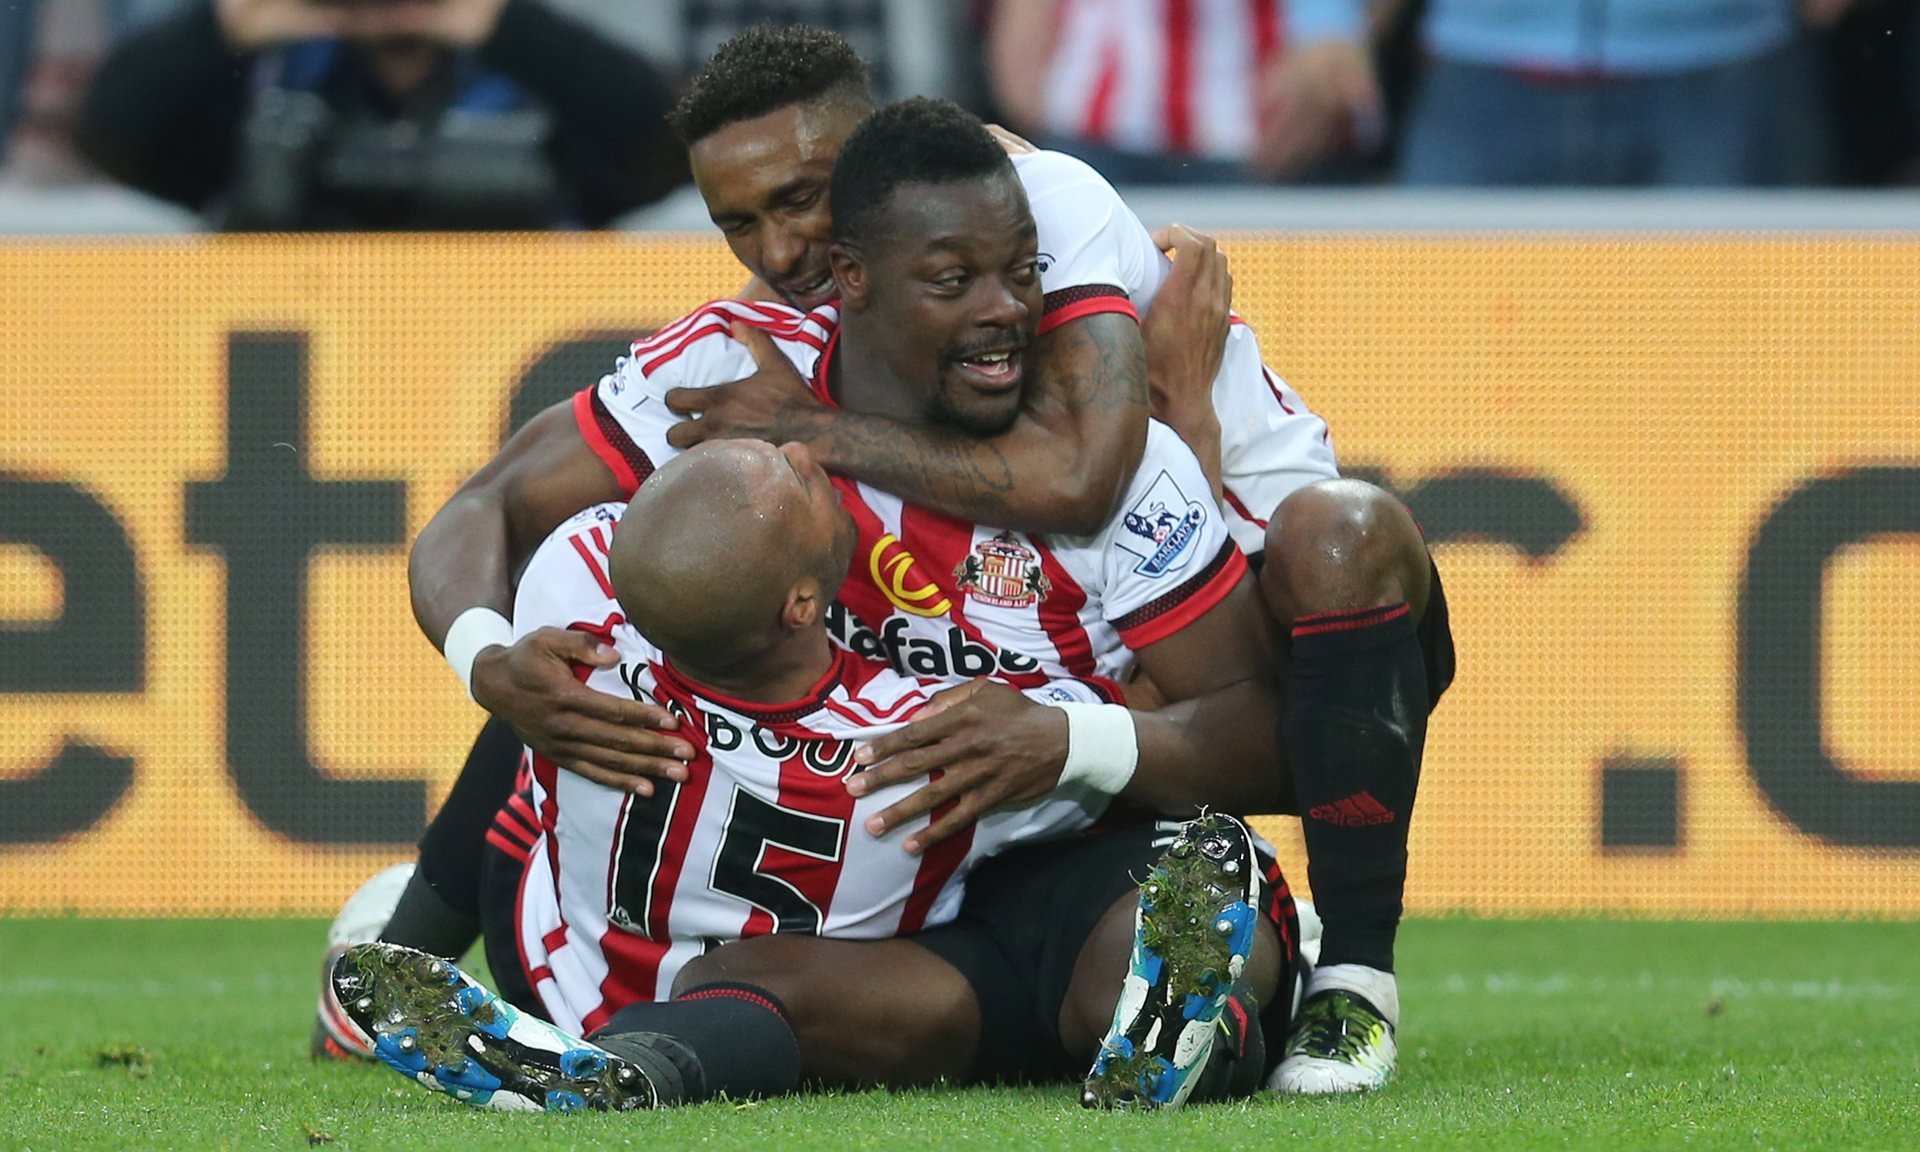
336 114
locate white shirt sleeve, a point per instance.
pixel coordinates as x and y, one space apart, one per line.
625 418
1271 443
1166 553
1095 254
566 580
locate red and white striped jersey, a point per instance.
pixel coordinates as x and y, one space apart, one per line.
1271 443
1161 76
935 595
622 890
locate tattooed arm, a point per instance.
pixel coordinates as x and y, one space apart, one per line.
1059 469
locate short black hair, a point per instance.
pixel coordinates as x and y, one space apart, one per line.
915 141
763 70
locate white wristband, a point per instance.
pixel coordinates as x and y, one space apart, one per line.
1102 749
473 631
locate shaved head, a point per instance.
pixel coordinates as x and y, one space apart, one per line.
728 551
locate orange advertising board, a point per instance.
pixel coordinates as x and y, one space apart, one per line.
1673 485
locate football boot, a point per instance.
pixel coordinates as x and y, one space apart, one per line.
361 919
1343 1035
432 1023
1193 930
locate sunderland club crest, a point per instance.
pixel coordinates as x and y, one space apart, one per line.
1002 572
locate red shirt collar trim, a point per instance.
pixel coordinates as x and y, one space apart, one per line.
779 713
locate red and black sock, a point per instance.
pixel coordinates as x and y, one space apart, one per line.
723 1038
1354 728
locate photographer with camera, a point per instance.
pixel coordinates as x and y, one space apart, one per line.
346 115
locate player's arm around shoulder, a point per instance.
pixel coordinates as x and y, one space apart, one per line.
467 554
578 453
1062 464
1070 453
598 446
1058 468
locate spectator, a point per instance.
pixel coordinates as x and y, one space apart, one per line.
45 51
1147 91
382 114
1602 92
1909 171
1872 70
913 47
18 25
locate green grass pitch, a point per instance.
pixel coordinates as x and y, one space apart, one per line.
1519 1035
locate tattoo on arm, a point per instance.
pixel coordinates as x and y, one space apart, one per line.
939 467
1098 364
1058 468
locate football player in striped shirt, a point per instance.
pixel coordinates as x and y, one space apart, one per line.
712 588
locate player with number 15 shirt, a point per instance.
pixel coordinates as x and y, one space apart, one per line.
622 890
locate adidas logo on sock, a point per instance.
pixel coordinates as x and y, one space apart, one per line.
1356 811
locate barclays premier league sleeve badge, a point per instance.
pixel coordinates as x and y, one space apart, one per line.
1161 527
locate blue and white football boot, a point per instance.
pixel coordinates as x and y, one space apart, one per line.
1193 930
433 1024
362 918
